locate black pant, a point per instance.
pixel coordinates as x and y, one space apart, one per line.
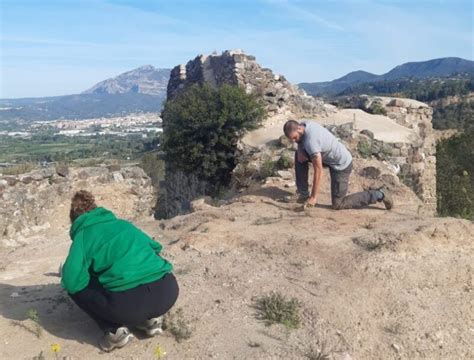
113 309
339 187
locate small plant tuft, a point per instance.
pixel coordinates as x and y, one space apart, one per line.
177 325
284 162
317 354
277 309
364 148
268 168
33 315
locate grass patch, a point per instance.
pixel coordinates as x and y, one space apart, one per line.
177 325
314 353
277 309
268 168
364 148
33 315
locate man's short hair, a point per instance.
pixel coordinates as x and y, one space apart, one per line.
290 127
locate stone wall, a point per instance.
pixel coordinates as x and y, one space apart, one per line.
39 199
417 159
414 161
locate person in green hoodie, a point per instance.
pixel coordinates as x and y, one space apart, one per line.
114 272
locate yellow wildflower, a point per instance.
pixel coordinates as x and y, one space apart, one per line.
159 352
55 348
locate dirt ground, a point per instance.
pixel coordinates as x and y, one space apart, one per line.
371 284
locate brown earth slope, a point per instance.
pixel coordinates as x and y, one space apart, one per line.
372 284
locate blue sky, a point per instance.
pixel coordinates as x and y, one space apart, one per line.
64 47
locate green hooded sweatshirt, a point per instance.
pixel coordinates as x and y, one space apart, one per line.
119 254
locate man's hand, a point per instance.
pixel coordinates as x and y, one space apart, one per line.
300 156
311 201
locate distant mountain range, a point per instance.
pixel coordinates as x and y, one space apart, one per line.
139 90
442 67
144 90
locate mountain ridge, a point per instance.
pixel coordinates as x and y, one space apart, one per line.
145 79
440 67
138 90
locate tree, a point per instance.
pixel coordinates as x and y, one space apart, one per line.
202 127
455 176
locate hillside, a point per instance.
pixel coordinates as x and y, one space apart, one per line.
81 106
139 90
370 283
439 68
143 80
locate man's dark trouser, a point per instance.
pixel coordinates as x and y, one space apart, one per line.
130 308
339 187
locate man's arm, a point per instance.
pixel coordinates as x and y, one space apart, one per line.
317 162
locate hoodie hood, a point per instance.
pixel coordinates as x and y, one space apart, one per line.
96 216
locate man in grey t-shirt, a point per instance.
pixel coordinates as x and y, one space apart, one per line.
320 147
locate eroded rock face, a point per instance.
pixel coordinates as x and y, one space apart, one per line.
237 68
41 198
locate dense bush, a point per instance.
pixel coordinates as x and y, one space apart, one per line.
455 176
202 127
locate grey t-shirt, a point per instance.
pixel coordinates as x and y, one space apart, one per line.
318 139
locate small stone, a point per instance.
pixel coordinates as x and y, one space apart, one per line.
14 294
3 184
11 180
62 170
396 102
367 133
345 356
370 172
118 177
114 167
396 347
27 179
285 175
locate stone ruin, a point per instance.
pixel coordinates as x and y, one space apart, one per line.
30 201
237 68
413 160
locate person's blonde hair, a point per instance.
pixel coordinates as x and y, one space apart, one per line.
82 202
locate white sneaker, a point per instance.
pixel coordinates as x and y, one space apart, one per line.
111 341
153 326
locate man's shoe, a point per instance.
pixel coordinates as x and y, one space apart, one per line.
387 199
295 198
112 341
153 326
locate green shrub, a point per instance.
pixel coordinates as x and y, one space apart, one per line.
268 168
455 176
177 325
275 308
377 108
284 162
202 127
154 167
364 148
